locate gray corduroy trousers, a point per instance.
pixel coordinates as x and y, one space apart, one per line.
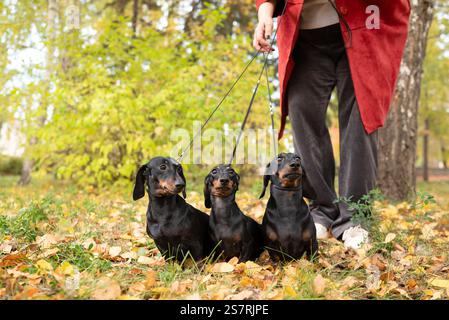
321 64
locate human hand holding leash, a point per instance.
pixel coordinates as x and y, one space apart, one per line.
264 28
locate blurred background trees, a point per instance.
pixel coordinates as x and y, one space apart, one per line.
100 98
96 87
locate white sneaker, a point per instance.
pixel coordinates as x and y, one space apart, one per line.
354 237
321 232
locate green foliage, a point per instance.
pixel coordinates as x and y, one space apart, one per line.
4 226
23 225
363 210
113 96
170 273
10 165
422 199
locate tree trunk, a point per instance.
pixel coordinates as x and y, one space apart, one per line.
135 17
425 165
27 168
53 7
397 140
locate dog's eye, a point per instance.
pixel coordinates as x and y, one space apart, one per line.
162 167
214 171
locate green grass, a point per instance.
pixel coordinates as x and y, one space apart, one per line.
439 189
23 225
80 257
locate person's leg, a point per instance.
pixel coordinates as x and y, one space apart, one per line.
358 150
308 94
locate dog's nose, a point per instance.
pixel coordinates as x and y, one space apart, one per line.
180 186
224 181
294 165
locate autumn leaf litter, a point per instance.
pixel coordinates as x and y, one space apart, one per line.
89 246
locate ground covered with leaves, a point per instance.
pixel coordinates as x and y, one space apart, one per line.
57 242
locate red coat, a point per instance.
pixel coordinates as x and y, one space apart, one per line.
374 57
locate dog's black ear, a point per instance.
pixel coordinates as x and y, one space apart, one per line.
237 181
304 184
139 187
207 201
266 180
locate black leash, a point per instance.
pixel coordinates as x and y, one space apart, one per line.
218 106
248 111
271 108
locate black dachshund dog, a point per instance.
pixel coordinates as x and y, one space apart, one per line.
236 234
176 227
288 226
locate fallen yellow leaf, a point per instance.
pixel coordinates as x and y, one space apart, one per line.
289 292
440 283
222 267
246 282
44 266
126 297
159 291
390 237
428 292
65 269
